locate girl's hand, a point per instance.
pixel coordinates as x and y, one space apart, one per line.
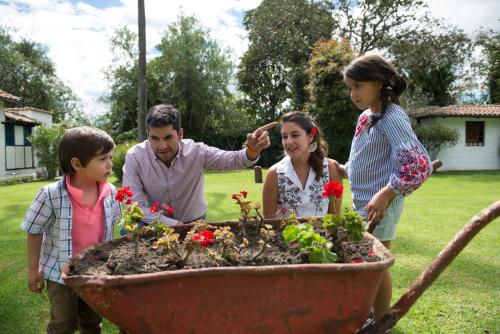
36 281
377 207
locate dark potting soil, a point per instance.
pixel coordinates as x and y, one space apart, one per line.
117 257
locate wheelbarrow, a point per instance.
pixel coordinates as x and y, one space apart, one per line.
300 298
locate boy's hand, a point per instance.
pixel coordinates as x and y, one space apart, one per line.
36 281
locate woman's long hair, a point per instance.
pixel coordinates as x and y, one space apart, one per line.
376 68
307 123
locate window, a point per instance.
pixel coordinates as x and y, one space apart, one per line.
10 139
474 133
27 132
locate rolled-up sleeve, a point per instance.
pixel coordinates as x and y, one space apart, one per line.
408 155
39 215
217 159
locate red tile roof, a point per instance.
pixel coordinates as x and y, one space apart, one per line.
470 110
9 97
25 109
14 117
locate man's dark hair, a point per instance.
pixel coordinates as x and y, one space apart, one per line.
84 143
162 115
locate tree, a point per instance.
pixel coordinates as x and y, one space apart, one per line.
27 72
193 74
123 87
142 91
330 101
436 137
490 65
281 34
44 141
433 61
374 24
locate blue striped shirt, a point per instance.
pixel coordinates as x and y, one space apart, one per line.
50 213
389 154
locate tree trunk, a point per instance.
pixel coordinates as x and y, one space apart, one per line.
142 93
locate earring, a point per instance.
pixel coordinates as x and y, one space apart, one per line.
312 147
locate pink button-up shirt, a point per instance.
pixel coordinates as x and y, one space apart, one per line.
87 223
182 185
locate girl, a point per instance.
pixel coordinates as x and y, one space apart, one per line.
386 162
296 182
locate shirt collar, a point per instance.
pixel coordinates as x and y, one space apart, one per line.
77 194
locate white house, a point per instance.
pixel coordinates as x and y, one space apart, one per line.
479 127
16 124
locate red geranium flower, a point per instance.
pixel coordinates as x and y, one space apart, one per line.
154 208
123 194
244 193
333 188
168 209
236 197
204 237
357 260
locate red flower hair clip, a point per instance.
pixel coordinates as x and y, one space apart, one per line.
314 132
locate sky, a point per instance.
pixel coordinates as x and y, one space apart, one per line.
76 33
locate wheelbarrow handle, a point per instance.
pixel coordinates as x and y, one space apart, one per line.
447 255
436 164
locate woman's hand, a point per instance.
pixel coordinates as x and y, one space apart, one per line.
377 207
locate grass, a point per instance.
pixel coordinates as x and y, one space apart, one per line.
465 299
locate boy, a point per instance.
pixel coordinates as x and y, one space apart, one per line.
68 216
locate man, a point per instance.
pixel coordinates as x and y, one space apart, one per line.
170 170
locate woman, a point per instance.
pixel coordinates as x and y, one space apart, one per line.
296 182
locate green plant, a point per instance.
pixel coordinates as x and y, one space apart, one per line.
131 215
44 141
436 137
119 159
347 227
305 239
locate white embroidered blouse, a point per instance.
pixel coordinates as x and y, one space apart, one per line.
307 201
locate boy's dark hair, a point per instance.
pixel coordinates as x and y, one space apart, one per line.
163 115
84 143
307 123
376 68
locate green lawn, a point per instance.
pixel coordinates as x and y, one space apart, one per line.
465 299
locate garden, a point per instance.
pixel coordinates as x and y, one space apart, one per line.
467 290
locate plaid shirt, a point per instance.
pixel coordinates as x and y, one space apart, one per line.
50 213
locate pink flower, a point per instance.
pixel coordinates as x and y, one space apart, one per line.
371 252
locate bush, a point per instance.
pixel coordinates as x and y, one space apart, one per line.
44 141
119 159
435 137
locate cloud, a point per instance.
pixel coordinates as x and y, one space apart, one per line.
77 33
468 15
